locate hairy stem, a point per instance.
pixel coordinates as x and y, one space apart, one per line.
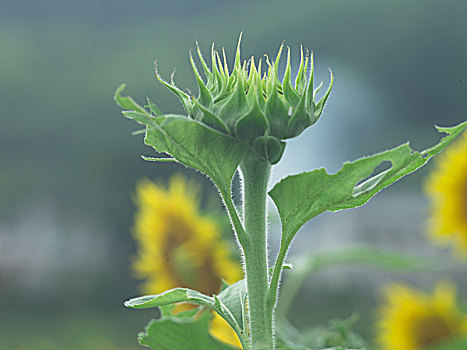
242 236
255 181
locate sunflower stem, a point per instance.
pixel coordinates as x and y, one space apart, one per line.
255 180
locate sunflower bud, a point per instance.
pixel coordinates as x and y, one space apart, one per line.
252 106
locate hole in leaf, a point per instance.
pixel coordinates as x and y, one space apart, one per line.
370 182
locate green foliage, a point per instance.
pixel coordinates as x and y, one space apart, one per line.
229 304
299 198
242 117
173 296
248 105
372 256
257 110
336 335
193 144
234 300
184 331
188 141
305 266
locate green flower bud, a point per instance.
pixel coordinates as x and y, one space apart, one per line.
252 106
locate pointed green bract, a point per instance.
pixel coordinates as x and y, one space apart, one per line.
300 80
126 102
210 119
184 98
318 108
247 103
299 120
291 95
301 197
234 107
277 115
205 97
252 125
153 108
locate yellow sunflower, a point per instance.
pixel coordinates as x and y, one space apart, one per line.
413 320
179 247
447 188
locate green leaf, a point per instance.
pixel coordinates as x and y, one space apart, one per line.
301 197
189 142
127 102
197 146
155 159
172 296
141 118
176 332
229 304
179 295
234 298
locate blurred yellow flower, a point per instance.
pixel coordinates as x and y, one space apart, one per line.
447 187
413 320
179 247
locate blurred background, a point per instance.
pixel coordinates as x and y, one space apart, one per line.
69 164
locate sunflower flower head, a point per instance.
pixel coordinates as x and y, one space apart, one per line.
180 247
253 106
413 320
447 189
